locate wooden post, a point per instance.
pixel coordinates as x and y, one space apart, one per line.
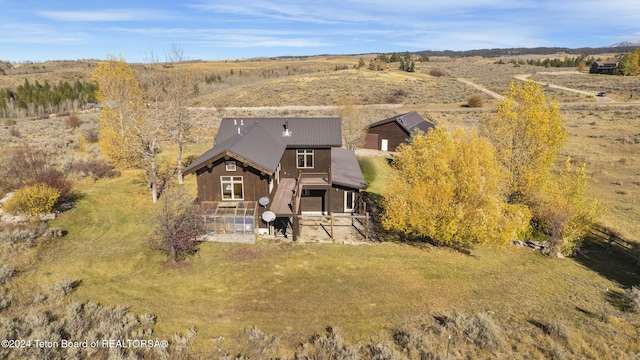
294 227
331 221
366 226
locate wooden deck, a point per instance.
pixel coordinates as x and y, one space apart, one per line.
281 204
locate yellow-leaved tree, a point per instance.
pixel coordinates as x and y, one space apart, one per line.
122 107
448 187
131 132
564 208
527 133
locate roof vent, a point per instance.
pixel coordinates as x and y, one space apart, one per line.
286 132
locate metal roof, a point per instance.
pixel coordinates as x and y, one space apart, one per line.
345 170
304 132
254 145
409 121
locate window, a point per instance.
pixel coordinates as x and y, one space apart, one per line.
230 165
232 187
349 201
305 159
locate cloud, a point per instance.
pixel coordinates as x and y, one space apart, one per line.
21 33
98 15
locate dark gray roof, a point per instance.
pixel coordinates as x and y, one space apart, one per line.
254 145
345 170
305 132
408 121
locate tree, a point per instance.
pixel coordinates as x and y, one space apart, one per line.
527 133
121 98
131 129
179 226
630 63
354 122
564 209
178 88
449 188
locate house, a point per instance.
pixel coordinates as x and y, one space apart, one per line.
265 172
388 134
605 67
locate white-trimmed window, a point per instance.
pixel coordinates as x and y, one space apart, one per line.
232 187
305 159
230 165
349 201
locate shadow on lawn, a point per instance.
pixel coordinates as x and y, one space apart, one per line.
617 261
375 208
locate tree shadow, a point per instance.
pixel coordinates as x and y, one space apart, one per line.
615 261
375 208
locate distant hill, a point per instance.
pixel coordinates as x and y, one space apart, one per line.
618 48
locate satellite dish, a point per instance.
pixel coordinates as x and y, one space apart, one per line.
263 201
268 216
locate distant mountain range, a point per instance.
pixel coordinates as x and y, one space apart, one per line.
625 46
627 43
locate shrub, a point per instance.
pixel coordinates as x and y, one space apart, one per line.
483 332
73 121
56 180
6 273
633 296
20 165
91 135
97 169
20 233
32 200
476 101
10 122
437 72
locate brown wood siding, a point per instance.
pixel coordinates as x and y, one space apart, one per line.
391 131
289 162
208 179
371 141
336 199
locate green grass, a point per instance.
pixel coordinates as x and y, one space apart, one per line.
295 290
376 172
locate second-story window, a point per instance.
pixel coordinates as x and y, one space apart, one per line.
305 159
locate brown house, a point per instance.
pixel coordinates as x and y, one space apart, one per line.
388 134
261 168
611 67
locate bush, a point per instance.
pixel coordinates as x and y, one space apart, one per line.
6 273
437 72
32 200
633 296
10 122
476 101
20 165
73 121
56 180
97 169
91 136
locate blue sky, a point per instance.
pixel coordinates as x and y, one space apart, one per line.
229 29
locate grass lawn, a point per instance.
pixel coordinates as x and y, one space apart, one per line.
295 290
